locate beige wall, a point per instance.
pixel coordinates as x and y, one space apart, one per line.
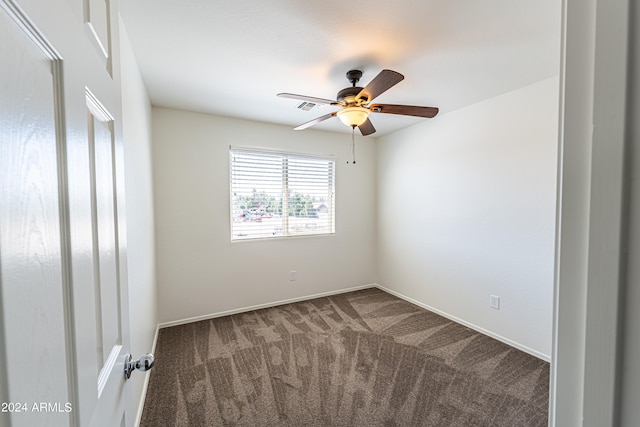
200 272
466 209
136 112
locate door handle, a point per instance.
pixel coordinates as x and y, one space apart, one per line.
144 363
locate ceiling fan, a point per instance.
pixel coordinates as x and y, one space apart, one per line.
356 102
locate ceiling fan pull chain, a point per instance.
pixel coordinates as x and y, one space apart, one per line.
353 145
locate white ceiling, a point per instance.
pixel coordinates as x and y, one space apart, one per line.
231 58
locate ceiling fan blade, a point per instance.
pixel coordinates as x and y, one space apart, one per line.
367 128
385 80
307 98
404 110
315 121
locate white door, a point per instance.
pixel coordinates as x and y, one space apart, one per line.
63 287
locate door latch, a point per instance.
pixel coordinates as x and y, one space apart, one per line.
144 363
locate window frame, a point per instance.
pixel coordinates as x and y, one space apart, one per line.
285 156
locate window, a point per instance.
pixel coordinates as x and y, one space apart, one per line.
276 194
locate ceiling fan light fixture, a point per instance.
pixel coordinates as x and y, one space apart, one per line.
353 116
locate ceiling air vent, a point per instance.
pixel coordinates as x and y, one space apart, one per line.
306 106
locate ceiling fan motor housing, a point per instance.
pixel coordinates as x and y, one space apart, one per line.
349 92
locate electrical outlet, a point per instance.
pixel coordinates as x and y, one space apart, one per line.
293 275
494 302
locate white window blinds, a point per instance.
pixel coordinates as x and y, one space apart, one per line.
277 194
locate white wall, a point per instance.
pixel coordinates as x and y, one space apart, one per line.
199 271
466 209
136 112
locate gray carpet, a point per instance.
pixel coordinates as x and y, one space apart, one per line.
364 358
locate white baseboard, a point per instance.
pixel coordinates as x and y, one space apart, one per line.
342 291
259 306
507 341
146 382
